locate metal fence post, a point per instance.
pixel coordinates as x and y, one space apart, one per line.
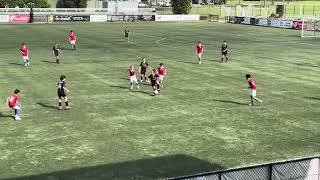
219 176
270 171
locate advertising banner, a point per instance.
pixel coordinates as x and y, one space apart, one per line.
275 23
20 18
4 18
286 24
98 18
62 18
297 24
246 20
238 20
80 18
40 18
177 17
262 22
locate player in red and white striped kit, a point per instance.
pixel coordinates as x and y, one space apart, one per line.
133 77
72 40
200 49
162 72
253 90
25 54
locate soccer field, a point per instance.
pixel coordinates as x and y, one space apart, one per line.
199 122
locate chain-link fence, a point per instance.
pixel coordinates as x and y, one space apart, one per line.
301 169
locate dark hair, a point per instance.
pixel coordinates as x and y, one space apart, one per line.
248 76
62 77
23 44
143 58
71 31
224 41
16 91
199 42
161 64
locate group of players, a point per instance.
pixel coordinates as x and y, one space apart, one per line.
155 78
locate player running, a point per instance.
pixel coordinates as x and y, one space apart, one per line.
200 48
224 51
133 77
154 79
126 33
62 92
56 51
13 103
72 40
25 54
143 69
253 90
162 72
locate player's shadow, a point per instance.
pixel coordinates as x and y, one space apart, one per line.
162 167
52 62
47 106
5 116
313 98
187 62
17 64
134 90
65 49
306 64
230 102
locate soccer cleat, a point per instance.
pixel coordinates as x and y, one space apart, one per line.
67 108
60 108
141 81
199 62
25 64
131 87
138 87
18 119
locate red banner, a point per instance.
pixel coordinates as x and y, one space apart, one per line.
298 25
21 18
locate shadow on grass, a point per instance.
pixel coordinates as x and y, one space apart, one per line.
305 64
49 62
135 90
187 62
313 98
5 116
17 64
47 106
230 102
153 168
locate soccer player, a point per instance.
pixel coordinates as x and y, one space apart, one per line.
200 48
72 40
162 72
25 54
143 69
13 103
224 51
56 51
126 33
62 92
133 77
253 90
154 79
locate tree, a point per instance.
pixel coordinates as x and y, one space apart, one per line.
181 6
72 4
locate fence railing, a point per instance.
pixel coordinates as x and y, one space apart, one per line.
67 11
293 10
299 169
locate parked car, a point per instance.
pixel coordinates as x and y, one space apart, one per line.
167 4
142 5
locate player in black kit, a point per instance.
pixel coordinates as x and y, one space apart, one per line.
143 69
62 92
126 33
224 51
56 51
154 79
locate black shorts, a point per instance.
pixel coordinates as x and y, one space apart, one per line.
143 71
126 35
225 53
56 54
61 94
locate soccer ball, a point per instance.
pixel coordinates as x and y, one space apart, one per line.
156 92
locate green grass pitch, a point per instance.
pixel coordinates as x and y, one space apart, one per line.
201 121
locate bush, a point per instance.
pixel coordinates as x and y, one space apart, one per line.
23 3
72 4
181 6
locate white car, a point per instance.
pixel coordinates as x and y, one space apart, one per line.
142 5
